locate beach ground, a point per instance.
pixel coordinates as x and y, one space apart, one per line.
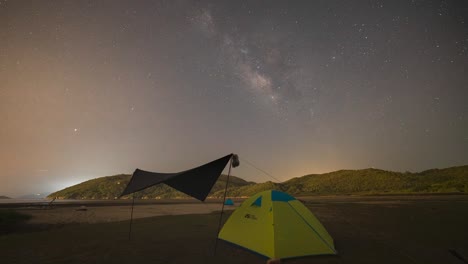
386 229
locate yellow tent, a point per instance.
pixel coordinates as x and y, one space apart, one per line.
276 225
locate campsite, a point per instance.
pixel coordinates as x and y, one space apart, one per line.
270 224
366 229
223 131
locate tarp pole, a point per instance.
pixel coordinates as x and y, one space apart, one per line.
131 217
222 208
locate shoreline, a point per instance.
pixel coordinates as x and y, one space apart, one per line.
18 203
83 214
97 211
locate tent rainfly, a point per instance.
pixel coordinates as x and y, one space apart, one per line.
278 226
196 182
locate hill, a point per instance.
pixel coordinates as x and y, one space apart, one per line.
365 181
111 187
375 181
4 197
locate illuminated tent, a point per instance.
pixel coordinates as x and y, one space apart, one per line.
276 225
196 182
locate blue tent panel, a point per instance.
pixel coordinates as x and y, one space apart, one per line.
257 202
281 196
229 202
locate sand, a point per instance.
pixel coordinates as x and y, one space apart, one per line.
101 211
384 230
100 214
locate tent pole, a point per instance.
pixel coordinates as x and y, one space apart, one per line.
131 217
222 208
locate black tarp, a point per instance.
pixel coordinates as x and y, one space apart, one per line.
196 182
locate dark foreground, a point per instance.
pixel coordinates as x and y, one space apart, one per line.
387 230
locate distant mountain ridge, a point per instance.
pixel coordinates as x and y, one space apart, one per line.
365 181
34 196
110 187
4 197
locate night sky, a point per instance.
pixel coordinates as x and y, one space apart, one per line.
96 88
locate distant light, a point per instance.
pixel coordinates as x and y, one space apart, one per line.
76 129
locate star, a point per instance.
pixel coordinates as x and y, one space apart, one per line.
344 79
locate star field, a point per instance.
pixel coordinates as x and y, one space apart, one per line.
102 87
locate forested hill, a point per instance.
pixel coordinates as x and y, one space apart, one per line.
366 181
111 187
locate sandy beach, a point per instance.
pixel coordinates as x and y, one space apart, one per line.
99 214
102 211
385 229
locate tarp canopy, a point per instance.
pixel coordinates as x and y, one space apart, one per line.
196 182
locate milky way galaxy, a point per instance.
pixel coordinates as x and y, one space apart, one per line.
95 88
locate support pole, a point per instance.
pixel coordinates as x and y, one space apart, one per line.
222 208
131 218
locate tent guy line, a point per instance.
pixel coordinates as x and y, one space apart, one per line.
257 168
